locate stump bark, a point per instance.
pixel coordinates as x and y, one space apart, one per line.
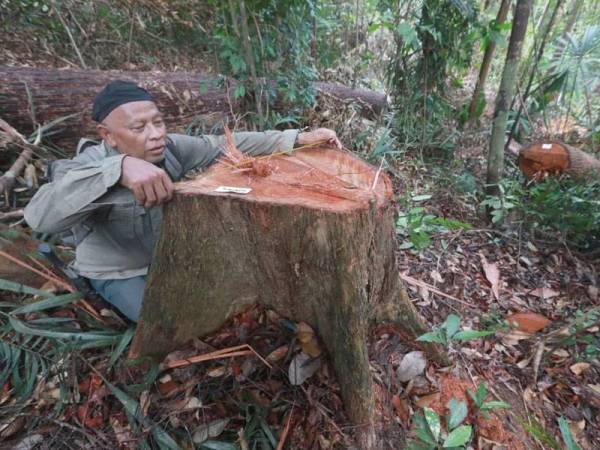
314 240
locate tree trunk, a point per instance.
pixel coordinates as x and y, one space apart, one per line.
506 91
538 57
479 93
572 15
250 60
314 240
184 97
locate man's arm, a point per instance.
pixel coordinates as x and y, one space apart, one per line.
78 185
68 199
199 152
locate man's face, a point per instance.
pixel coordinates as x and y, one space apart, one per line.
136 129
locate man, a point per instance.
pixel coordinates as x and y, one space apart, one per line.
111 194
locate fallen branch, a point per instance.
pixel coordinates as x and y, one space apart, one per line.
10 215
429 287
230 352
285 431
59 282
7 181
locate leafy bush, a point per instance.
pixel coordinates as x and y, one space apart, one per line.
416 226
564 205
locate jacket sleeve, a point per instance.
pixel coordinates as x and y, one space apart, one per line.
201 151
69 198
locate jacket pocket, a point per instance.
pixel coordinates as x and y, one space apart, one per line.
120 223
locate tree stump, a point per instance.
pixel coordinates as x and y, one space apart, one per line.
555 158
314 240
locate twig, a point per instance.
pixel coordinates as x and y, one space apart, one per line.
377 173
7 180
71 38
66 286
539 352
16 214
415 282
230 352
286 430
83 304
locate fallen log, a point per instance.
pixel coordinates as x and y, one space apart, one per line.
182 96
310 235
555 158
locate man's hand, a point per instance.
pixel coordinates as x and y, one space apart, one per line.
150 185
319 136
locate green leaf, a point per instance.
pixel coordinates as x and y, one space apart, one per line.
240 91
458 413
19 288
467 335
479 396
566 434
121 346
52 302
458 437
495 405
433 336
433 422
217 445
422 430
451 325
407 32
96 339
133 408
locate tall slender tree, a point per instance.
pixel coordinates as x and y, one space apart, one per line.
505 93
486 62
543 39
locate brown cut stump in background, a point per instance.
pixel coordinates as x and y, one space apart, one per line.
555 158
313 240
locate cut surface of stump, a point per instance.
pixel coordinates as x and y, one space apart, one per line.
555 158
314 239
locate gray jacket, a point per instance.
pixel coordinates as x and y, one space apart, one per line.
117 235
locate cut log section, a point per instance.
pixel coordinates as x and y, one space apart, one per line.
313 238
183 97
554 158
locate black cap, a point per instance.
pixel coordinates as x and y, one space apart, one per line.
115 94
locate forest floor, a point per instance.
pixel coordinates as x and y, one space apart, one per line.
544 368
545 365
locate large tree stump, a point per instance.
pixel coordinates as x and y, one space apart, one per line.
314 240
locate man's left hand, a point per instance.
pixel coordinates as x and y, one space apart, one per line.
320 136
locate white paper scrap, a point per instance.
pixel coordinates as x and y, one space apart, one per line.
546 146
233 190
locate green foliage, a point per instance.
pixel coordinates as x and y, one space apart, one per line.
448 331
536 429
481 405
566 434
280 35
567 206
582 341
442 36
429 433
149 31
564 205
416 227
